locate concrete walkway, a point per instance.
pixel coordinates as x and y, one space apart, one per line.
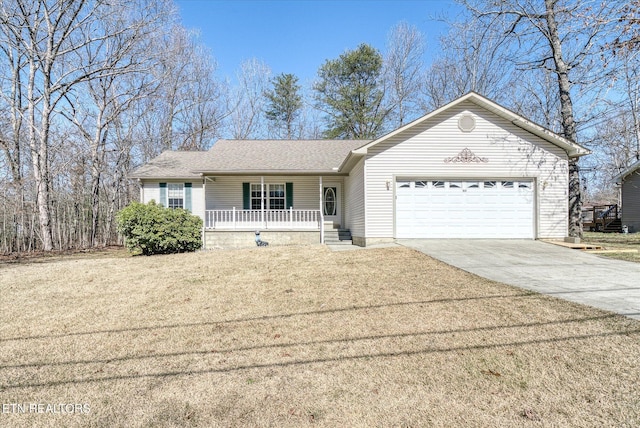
574 275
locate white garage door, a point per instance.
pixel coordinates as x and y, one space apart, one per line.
464 209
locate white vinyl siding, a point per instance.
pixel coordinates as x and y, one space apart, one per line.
151 191
225 192
631 201
510 153
354 200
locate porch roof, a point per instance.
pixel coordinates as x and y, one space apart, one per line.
278 156
265 157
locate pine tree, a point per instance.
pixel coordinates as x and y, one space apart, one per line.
284 103
350 92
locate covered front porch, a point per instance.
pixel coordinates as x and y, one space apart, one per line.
270 204
236 219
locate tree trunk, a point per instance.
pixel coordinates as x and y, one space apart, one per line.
97 159
39 159
568 123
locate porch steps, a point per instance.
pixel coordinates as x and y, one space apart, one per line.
614 226
337 237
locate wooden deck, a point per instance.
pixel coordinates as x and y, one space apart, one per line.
602 218
579 246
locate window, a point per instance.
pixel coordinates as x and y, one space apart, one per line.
455 184
420 184
489 184
274 196
507 184
524 185
256 197
438 184
175 195
473 185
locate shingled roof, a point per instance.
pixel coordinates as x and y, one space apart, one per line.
252 157
172 165
279 156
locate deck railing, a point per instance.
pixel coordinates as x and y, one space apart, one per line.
598 217
290 219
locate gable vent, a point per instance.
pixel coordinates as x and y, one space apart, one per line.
466 123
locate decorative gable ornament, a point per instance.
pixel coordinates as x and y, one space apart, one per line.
466 156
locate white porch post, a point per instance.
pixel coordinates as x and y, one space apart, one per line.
204 205
141 184
321 215
262 195
291 217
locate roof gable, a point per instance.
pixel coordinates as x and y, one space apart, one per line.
572 149
314 156
632 168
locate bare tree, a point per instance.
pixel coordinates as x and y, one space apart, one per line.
12 145
563 37
631 83
535 97
189 102
53 39
247 103
91 88
403 71
471 60
628 38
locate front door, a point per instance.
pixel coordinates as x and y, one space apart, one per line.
331 203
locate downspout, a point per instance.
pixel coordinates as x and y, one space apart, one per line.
321 213
204 219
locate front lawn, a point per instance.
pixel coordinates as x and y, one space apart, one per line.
297 336
628 243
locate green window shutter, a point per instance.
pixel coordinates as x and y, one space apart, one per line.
289 191
187 196
246 196
163 194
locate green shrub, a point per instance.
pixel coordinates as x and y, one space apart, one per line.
153 229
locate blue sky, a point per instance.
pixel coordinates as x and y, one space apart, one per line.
298 36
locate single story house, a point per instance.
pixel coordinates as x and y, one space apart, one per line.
629 180
470 169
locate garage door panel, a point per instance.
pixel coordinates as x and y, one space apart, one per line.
465 209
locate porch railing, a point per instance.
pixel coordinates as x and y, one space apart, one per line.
268 219
599 217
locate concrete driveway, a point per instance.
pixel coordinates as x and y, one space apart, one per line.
613 285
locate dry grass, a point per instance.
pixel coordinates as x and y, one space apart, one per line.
296 336
616 241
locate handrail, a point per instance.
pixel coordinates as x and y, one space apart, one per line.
601 216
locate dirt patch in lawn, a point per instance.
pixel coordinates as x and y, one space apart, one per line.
296 336
57 255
